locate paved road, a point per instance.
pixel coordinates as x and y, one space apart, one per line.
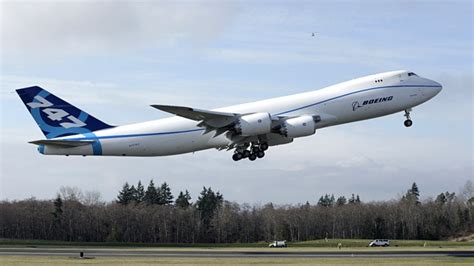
97 252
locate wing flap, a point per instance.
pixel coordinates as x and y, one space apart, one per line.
63 143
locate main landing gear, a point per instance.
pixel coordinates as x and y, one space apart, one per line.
408 121
252 152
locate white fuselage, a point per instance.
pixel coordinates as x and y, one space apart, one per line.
354 100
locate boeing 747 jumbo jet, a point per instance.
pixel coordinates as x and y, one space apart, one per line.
247 129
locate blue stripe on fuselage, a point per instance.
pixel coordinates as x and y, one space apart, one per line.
41 148
96 146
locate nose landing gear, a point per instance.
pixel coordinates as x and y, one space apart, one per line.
255 151
408 121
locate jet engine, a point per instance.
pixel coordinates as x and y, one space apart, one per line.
253 124
300 126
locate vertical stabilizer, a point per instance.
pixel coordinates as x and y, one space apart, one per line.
55 117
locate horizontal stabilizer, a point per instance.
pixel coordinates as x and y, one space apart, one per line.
63 143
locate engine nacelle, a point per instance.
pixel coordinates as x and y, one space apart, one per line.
299 126
253 124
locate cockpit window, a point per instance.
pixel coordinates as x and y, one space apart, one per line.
411 74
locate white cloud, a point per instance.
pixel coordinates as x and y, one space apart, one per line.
93 27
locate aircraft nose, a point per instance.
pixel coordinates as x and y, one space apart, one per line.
432 89
436 86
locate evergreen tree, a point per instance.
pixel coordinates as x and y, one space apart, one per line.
326 201
332 200
151 194
133 194
164 195
207 204
357 200
183 200
125 195
412 195
58 209
307 205
140 192
414 191
322 202
440 199
341 201
57 217
352 199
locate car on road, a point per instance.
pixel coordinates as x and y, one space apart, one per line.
278 244
379 243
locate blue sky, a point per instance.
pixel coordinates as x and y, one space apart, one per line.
113 59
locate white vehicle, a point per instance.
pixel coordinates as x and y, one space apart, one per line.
278 244
247 129
379 243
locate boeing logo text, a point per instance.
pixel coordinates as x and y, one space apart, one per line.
356 104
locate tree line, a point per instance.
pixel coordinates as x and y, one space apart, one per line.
153 215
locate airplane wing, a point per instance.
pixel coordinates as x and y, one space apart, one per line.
63 143
208 118
222 122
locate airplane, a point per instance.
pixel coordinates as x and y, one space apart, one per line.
248 129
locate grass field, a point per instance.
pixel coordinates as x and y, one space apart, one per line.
20 260
316 245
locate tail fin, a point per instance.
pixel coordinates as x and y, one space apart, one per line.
55 117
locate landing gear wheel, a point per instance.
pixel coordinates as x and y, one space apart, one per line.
236 156
260 154
408 123
264 146
252 157
246 154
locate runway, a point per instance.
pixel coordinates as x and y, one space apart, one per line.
216 253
